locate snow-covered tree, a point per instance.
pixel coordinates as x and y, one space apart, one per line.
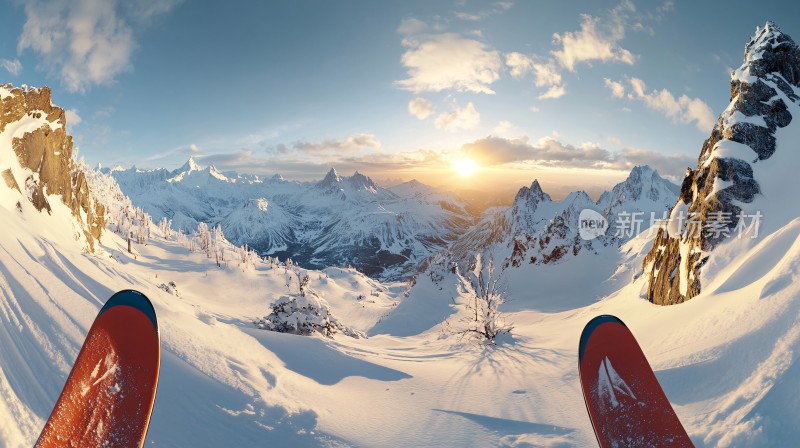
204 237
304 315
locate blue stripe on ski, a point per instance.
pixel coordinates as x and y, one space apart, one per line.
589 329
134 299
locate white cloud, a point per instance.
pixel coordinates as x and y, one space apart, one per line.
597 40
84 42
459 119
13 67
503 127
544 74
617 88
535 109
194 148
420 108
73 119
449 61
681 110
519 64
553 92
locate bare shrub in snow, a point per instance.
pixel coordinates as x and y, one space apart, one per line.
484 297
170 288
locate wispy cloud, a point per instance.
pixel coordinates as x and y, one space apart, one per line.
85 42
459 118
682 109
296 165
617 88
411 26
496 8
550 152
13 67
73 119
449 61
356 143
545 74
553 92
503 127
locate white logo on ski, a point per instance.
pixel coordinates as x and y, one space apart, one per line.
609 384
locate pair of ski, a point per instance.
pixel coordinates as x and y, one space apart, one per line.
109 395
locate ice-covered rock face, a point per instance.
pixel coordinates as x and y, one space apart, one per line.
762 90
33 131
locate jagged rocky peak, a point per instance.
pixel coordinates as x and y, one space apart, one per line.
190 165
331 178
643 183
771 51
723 181
362 182
530 197
36 131
341 185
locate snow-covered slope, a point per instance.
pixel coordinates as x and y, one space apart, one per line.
727 359
337 221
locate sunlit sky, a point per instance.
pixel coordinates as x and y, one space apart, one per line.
573 93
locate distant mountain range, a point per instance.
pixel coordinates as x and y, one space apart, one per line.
384 232
339 220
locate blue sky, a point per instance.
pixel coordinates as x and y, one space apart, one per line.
574 93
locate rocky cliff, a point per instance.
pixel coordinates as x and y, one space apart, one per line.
713 195
36 157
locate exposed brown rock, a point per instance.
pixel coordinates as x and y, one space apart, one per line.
8 177
47 151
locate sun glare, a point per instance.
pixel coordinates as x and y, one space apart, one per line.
465 167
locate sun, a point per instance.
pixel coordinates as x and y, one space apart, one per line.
465 167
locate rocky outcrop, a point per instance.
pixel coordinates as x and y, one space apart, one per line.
723 180
45 157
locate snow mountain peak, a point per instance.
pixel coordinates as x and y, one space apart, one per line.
350 188
190 165
194 173
531 197
331 178
743 168
770 51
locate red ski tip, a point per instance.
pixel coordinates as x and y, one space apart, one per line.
626 404
109 394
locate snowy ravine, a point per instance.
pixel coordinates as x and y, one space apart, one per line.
727 359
